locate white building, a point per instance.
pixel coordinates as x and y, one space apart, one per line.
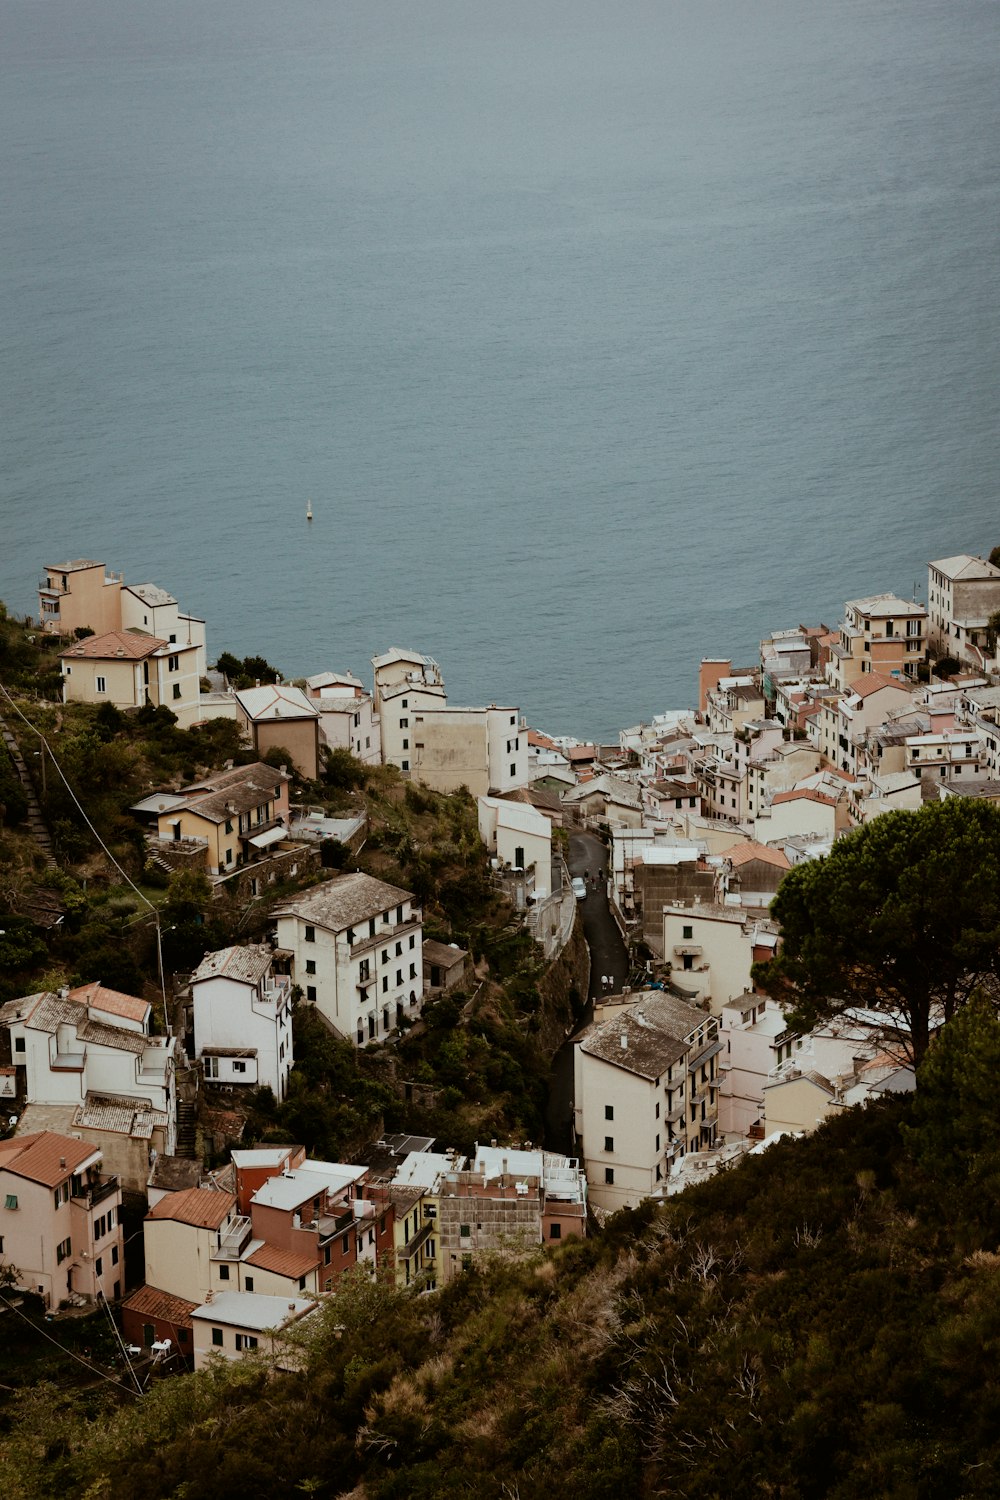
645 1094
962 593
145 606
347 717
357 953
520 836
66 1052
235 1323
243 1018
405 682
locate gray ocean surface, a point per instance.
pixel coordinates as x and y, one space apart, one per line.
601 337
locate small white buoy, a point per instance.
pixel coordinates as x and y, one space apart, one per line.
309 510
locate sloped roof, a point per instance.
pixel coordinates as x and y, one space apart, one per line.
246 965
655 1030
291 1263
47 1157
743 854
203 1208
803 794
344 900
276 700
150 1302
134 645
874 682
965 566
112 1002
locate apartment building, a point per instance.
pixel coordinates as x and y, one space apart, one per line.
962 593
130 669
483 749
60 1218
356 946
405 683
84 595
646 1087
242 1011
277 716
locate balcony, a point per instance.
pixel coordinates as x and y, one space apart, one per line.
232 1240
92 1193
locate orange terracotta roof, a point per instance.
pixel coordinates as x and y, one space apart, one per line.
873 682
290 1263
132 644
742 854
204 1208
46 1157
806 794
150 1302
542 740
111 1001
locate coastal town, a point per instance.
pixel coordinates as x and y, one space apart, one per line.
671 844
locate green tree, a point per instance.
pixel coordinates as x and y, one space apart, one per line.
956 1127
902 918
995 557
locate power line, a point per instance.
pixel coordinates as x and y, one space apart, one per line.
79 806
72 1355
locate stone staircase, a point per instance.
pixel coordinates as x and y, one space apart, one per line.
187 1129
36 823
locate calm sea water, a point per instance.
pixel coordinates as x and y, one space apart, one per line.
601 337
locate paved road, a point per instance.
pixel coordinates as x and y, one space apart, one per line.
608 960
608 954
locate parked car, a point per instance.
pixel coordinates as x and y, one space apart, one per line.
579 888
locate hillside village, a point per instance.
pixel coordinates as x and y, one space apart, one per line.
115 1099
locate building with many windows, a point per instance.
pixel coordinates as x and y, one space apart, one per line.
646 1093
357 953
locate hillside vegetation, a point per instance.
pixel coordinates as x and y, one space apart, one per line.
822 1320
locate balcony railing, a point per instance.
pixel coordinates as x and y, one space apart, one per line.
92 1193
232 1240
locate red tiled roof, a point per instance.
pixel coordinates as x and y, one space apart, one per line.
742 854
150 1302
111 1001
873 682
204 1208
807 794
133 644
291 1263
46 1157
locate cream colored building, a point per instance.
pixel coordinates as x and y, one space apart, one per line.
357 954
962 593
130 669
646 1086
405 683
347 716
82 595
881 634
483 749
711 949
236 814
234 1324
185 1237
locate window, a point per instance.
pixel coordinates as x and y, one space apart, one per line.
385 983
63 1251
406 744
310 934
399 949
99 1266
114 1255
465 1230
223 1273
217 1338
177 689
239 1067
687 932
609 1176
173 663
609 1143
248 1283
11 1200
413 944
364 970
609 1111
211 1067
399 976
310 966
555 1232
413 971
513 769
101 684
399 913
404 724
405 765
310 992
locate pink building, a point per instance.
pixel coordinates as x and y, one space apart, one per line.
60 1218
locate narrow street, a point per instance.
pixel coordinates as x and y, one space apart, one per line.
609 970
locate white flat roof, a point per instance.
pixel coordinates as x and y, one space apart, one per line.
251 1310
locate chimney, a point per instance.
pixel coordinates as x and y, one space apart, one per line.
624 1041
62 1162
